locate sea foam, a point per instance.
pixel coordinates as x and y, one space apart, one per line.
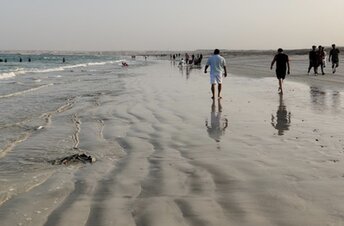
7 75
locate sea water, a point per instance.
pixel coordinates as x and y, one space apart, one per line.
32 93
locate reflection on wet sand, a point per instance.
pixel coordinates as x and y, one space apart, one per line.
322 100
187 72
283 118
217 126
318 98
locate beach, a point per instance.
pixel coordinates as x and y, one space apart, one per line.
166 153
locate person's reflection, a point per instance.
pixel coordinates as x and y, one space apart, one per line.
318 98
187 72
336 100
283 118
181 70
217 125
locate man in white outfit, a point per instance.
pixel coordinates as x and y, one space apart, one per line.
217 70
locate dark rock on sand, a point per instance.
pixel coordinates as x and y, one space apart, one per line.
73 159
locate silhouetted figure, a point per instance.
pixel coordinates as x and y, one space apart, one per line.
217 125
313 60
1 60
29 60
192 59
63 60
282 65
5 60
124 64
283 118
20 59
186 58
334 57
198 61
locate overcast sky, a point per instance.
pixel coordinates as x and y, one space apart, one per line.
169 24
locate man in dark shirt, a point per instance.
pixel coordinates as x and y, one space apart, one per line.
282 64
313 60
334 57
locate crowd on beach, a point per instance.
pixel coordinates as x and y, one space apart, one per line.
187 60
317 58
20 60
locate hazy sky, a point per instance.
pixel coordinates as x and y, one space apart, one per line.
169 24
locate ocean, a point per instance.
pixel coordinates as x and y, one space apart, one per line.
33 93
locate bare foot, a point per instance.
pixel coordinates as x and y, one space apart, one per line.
280 91
212 98
220 97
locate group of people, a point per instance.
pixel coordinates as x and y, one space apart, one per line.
28 60
193 60
317 58
188 60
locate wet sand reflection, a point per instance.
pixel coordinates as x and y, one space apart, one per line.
216 128
325 99
283 118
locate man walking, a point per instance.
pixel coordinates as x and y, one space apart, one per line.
321 57
334 57
282 64
313 60
217 70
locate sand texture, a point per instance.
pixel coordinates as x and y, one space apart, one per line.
167 155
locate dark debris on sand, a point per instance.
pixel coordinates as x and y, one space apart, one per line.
73 159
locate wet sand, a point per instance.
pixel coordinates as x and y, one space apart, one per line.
171 156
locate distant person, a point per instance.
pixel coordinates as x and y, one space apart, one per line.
313 60
321 56
192 59
1 60
217 70
334 57
63 60
181 62
124 64
186 58
20 59
282 67
29 60
198 60
5 60
325 56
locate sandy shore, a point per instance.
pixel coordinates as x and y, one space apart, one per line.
171 156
